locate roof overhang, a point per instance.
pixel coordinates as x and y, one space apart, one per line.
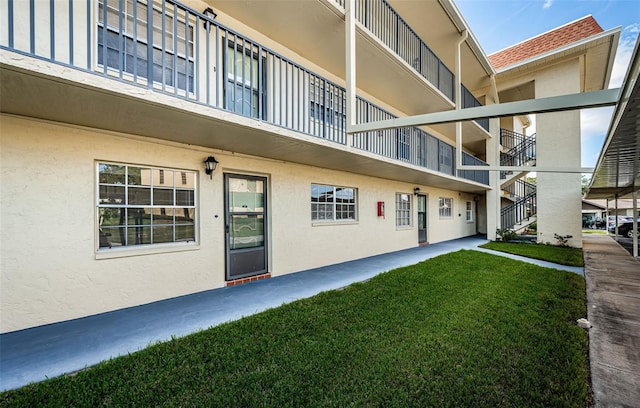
617 172
599 52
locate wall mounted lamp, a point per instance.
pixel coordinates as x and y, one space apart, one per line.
208 12
210 165
416 191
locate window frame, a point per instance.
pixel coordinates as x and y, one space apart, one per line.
442 205
469 211
104 248
334 204
185 44
326 108
244 81
404 211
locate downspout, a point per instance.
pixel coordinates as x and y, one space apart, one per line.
462 39
494 88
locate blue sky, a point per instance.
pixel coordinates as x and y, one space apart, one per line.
497 24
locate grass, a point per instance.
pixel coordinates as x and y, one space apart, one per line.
550 253
594 231
462 329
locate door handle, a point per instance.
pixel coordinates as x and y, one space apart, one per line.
226 229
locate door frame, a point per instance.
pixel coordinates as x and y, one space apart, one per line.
425 197
227 219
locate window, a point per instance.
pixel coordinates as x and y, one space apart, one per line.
469 212
245 80
139 205
403 210
444 207
329 203
326 108
173 62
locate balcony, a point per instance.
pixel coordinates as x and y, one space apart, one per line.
190 79
416 79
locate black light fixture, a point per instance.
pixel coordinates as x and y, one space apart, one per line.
208 12
210 165
416 191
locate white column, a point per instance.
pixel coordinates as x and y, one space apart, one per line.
350 68
458 95
559 195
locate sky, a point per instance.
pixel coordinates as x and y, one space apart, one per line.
498 24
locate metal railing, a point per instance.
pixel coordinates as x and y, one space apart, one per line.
481 176
470 101
522 210
522 152
520 188
189 56
412 145
387 25
510 139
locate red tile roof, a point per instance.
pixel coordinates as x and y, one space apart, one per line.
556 38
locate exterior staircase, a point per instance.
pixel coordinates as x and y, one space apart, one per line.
520 151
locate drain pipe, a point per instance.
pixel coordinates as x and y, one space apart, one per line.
462 39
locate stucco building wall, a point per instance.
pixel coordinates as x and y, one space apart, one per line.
53 268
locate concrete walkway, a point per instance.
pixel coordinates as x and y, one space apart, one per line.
613 301
48 351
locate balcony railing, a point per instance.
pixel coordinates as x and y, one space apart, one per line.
522 210
189 56
387 25
520 188
470 101
522 150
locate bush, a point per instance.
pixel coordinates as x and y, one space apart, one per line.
507 234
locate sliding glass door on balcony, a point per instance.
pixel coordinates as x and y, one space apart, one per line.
245 86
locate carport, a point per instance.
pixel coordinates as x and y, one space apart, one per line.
617 172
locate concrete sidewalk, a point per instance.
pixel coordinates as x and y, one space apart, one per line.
48 351
613 302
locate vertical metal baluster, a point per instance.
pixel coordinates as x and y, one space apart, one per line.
70 32
219 53
175 49
207 57
121 44
32 26
187 67
196 59
261 84
135 42
52 30
10 15
280 87
150 46
286 94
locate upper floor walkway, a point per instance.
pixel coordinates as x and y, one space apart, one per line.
108 65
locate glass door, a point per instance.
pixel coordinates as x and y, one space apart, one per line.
245 215
422 218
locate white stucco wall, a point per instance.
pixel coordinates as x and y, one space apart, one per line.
558 144
51 267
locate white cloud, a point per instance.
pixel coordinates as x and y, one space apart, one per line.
623 54
547 4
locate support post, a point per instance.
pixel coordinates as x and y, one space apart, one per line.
458 94
350 69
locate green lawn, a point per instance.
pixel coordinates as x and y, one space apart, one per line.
594 231
555 254
463 329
